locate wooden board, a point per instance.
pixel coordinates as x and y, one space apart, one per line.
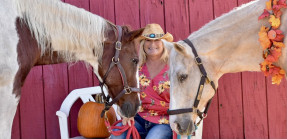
103 8
211 123
127 13
223 6
255 105
177 18
152 11
277 109
230 106
229 91
198 16
32 106
85 4
80 76
240 2
56 90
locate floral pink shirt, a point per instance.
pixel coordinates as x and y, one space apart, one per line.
154 95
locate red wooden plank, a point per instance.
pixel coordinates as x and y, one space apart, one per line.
177 18
79 77
230 106
32 106
85 4
211 123
223 6
229 91
103 8
277 109
16 131
152 11
240 2
199 17
200 13
56 90
255 105
127 13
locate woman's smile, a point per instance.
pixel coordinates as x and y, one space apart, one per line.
153 47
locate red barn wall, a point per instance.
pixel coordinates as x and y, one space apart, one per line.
246 105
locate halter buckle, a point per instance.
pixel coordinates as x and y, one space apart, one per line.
128 90
197 60
200 92
207 80
194 110
116 62
118 45
204 115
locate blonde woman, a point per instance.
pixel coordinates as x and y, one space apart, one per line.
152 121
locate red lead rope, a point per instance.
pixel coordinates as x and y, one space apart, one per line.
121 129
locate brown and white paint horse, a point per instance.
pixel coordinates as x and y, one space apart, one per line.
38 32
229 44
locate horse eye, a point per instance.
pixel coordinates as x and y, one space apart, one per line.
136 61
182 77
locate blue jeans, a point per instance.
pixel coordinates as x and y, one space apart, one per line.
148 130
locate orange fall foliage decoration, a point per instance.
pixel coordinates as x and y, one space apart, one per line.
271 40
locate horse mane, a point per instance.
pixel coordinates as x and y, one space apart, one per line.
63 26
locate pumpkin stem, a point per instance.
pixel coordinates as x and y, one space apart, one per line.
98 98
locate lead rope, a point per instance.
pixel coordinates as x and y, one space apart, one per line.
131 130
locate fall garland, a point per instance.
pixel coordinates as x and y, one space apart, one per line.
271 39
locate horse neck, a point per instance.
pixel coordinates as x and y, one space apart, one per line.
230 43
69 30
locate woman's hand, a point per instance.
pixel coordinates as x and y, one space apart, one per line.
125 120
128 121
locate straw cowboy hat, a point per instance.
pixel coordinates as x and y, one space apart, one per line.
154 31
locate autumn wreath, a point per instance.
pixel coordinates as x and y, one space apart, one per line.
271 39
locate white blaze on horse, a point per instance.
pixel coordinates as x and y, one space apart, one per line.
229 44
38 32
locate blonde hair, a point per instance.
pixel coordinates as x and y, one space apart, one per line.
142 54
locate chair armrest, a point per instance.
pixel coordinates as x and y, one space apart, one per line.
63 123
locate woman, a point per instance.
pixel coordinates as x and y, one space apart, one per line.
152 119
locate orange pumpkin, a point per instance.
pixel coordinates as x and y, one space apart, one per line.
90 123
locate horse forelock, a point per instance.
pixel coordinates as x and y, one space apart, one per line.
65 27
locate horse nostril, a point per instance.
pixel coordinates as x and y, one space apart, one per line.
185 128
128 110
178 126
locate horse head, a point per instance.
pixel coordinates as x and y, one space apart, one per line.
128 59
185 77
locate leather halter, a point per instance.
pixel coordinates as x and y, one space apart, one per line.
204 79
116 62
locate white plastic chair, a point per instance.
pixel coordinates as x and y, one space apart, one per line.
86 95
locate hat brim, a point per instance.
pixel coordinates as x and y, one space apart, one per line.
168 37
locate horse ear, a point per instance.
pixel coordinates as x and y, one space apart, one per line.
179 48
135 34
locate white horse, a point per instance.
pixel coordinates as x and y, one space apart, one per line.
36 32
229 44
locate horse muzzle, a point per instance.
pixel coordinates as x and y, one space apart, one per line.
184 127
